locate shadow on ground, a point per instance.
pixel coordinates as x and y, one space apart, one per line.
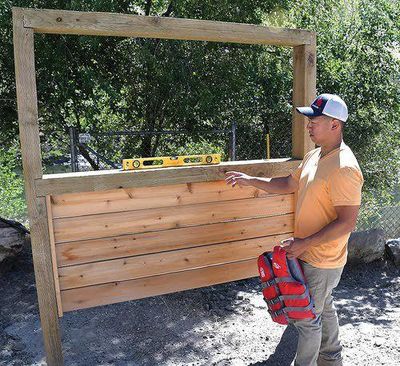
218 325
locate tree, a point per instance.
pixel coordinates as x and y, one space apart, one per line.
109 83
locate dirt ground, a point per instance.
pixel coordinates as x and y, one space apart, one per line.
220 325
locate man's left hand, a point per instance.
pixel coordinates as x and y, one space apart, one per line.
294 247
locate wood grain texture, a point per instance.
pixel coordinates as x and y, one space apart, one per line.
157 219
54 256
128 199
114 292
24 61
304 90
116 179
165 262
125 25
86 251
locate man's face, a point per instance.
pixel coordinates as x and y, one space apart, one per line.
320 129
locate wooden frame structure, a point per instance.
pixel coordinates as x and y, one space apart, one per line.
74 267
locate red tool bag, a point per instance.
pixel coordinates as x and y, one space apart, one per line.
284 287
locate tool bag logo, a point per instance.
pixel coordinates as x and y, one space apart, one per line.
276 265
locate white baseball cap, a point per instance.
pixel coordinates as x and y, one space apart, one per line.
329 105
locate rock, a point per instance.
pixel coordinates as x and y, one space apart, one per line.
229 308
248 309
218 312
366 246
392 250
379 341
5 353
18 346
12 241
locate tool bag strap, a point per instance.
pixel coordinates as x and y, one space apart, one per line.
290 309
271 283
274 301
276 280
268 283
299 309
276 313
285 279
304 295
282 298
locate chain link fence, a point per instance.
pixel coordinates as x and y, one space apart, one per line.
106 150
235 143
385 217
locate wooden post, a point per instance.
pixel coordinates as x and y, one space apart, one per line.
32 164
304 89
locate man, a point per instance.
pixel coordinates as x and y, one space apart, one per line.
328 185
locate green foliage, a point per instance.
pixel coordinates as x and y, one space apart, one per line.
201 147
359 59
12 201
98 84
378 211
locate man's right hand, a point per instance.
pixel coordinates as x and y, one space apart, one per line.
238 178
281 185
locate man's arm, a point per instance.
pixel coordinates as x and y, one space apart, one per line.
342 225
272 185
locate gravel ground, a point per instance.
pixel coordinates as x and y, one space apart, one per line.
219 325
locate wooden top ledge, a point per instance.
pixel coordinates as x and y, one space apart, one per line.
114 179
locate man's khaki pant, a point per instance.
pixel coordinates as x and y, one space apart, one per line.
318 342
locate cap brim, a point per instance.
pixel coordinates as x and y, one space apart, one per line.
308 111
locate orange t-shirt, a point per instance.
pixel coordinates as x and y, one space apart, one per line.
333 180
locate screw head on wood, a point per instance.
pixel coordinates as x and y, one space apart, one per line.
59 19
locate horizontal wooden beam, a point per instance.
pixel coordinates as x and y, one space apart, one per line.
115 179
85 297
148 265
125 25
95 250
128 199
166 218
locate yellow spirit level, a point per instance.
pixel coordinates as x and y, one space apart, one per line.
168 161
